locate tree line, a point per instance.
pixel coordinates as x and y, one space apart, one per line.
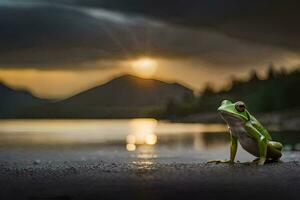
279 91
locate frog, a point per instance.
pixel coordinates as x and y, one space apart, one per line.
249 132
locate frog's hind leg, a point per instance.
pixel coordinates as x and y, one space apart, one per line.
274 150
276 145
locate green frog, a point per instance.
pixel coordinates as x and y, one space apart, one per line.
252 136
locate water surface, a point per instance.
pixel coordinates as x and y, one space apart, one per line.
140 138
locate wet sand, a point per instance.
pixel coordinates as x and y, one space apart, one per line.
55 174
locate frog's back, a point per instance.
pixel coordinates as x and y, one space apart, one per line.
260 128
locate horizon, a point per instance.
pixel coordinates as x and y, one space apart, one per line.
227 85
261 74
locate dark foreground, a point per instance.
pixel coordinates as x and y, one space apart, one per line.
144 177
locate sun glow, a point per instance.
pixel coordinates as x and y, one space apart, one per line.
144 67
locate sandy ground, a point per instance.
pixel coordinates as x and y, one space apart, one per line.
110 174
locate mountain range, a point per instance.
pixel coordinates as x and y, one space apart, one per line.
122 97
13 101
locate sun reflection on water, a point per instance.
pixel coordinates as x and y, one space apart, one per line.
145 159
130 147
141 133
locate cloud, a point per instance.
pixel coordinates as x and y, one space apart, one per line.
271 22
50 35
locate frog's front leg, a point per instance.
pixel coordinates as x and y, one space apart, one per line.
261 141
233 149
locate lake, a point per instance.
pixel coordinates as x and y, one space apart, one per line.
134 137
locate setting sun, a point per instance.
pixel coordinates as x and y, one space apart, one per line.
144 67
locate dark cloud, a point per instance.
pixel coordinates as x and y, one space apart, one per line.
272 22
52 34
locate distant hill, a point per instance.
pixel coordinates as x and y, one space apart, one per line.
13 102
123 97
129 91
130 96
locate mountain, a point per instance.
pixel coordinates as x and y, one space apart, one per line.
13 102
123 97
129 91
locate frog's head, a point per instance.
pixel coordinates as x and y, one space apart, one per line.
235 110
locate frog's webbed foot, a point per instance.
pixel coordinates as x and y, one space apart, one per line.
269 160
259 161
253 162
220 161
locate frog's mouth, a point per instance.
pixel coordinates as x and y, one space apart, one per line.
231 119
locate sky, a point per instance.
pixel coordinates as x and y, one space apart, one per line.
60 47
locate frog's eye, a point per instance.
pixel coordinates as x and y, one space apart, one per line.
240 106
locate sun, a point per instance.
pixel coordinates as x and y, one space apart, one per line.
144 67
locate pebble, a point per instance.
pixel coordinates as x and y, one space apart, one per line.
37 162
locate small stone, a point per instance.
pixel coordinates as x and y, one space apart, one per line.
37 162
